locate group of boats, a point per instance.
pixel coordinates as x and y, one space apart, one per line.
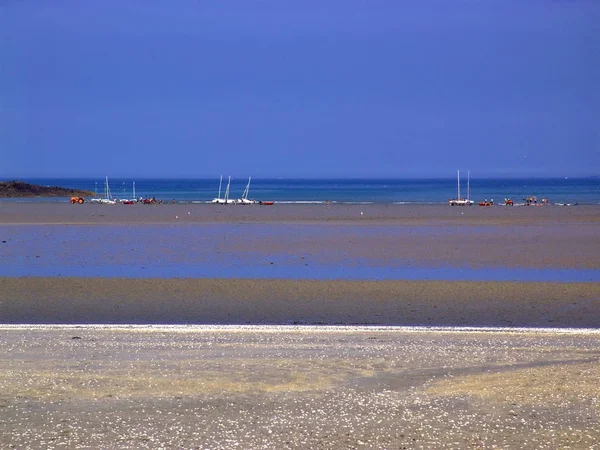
529 201
243 200
108 199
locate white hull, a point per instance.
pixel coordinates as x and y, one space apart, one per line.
107 200
222 201
459 201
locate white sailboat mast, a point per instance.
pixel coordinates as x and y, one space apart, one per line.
134 190
107 190
247 190
220 183
458 171
227 190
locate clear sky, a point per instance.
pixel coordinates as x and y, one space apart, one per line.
305 88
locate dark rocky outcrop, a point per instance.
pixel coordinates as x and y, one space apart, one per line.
21 189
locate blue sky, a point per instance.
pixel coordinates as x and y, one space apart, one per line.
300 88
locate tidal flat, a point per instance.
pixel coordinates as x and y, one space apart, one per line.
494 342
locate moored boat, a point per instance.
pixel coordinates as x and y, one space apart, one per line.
244 199
459 201
108 199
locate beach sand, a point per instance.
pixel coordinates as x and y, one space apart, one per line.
242 301
439 215
267 386
297 388
301 236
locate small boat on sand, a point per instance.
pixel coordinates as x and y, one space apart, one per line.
108 199
226 200
268 202
244 200
459 201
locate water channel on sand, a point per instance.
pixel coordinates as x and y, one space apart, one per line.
319 252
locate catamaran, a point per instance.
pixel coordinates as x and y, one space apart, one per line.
244 200
107 200
226 200
459 201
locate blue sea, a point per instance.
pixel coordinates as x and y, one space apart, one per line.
583 191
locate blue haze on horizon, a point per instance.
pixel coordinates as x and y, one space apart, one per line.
401 89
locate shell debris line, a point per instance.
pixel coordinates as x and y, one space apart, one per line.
297 387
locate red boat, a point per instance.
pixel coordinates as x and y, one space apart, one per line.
486 203
270 202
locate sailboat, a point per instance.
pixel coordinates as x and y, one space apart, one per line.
459 201
226 200
244 200
107 200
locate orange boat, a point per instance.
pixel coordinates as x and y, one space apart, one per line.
486 203
262 202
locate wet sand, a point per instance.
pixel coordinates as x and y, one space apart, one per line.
439 215
297 388
248 301
299 236
301 387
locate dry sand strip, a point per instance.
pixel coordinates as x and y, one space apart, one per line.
374 214
251 301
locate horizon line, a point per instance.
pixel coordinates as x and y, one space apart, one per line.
355 177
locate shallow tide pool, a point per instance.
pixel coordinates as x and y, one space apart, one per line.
245 251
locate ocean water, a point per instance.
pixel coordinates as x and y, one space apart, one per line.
583 191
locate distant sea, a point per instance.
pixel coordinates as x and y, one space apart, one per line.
583 191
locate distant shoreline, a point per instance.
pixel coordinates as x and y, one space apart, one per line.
20 189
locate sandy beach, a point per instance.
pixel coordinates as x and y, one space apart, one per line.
246 301
297 388
133 267
435 215
279 375
294 241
